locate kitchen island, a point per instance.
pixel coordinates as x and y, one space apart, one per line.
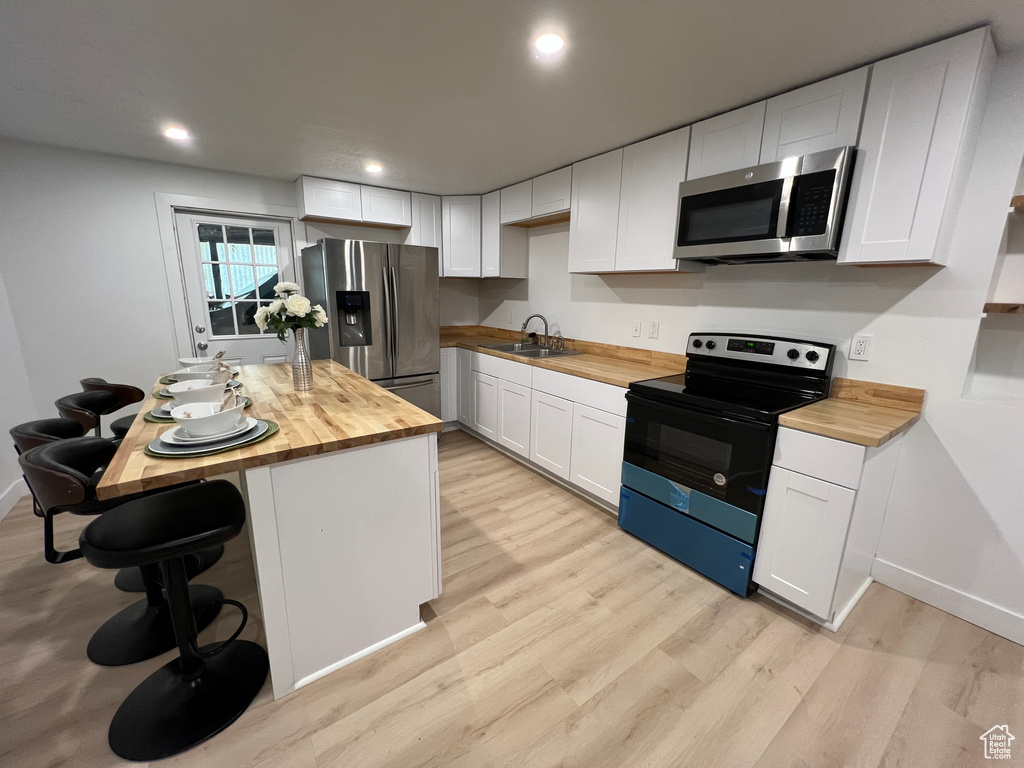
344 513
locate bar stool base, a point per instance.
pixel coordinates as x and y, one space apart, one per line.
166 715
141 632
130 579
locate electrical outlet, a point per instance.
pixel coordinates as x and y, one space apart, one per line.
638 329
652 332
511 317
860 349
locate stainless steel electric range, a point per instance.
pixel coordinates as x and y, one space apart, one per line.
699 447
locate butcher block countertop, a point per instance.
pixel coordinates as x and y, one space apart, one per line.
607 363
860 412
343 410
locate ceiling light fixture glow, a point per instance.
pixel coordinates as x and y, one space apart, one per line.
177 133
549 43
374 167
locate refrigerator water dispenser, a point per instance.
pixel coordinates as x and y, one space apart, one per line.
356 330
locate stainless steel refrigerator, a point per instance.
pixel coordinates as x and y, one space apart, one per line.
382 301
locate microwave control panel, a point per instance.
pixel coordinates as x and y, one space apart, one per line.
810 203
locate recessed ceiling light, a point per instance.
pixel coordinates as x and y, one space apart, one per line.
549 43
374 167
177 133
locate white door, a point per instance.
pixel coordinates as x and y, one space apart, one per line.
460 235
803 534
597 439
919 115
594 213
648 202
517 202
485 405
386 206
449 384
820 116
464 361
551 433
552 192
426 224
230 267
514 417
727 142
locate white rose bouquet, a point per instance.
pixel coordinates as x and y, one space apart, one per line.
289 311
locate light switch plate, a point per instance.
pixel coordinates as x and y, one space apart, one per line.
860 348
652 333
638 329
511 317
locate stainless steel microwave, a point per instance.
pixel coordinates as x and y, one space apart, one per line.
790 210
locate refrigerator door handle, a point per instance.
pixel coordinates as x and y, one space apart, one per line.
389 317
394 309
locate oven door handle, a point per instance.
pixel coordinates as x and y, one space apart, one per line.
689 411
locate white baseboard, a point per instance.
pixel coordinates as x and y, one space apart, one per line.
984 614
14 493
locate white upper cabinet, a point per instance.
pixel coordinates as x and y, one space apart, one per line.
517 202
328 199
426 220
460 235
552 192
651 172
727 142
390 207
503 249
920 119
821 116
593 223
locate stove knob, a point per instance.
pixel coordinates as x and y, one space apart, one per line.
697 343
812 356
711 345
793 354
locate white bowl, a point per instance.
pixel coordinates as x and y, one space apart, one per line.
188 362
204 419
196 391
194 372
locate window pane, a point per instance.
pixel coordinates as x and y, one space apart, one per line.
265 254
238 245
238 235
211 242
267 279
221 322
243 282
217 285
263 237
245 312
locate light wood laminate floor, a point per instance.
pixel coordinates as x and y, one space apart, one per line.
558 641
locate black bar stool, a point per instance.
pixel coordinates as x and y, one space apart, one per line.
35 433
204 690
126 394
62 476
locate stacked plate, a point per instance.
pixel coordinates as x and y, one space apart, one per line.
176 442
163 411
171 377
233 384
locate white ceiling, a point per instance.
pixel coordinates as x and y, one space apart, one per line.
444 94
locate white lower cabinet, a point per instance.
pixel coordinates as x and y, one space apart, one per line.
802 536
465 397
551 433
514 417
449 384
485 405
597 439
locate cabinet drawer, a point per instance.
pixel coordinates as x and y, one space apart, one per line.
517 373
834 461
596 394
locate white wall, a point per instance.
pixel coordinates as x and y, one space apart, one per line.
954 529
16 406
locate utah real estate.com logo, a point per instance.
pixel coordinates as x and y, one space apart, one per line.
997 742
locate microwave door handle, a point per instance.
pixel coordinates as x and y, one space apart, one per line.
782 230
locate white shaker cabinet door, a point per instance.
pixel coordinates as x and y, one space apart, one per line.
514 417
460 235
490 234
551 433
597 439
392 207
552 192
465 370
485 405
648 203
426 224
824 115
329 199
922 111
594 216
517 202
449 384
803 533
727 142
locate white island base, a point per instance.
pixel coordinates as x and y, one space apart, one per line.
346 547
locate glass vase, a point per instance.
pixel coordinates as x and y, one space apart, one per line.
302 368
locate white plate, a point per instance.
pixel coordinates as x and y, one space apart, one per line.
235 370
163 449
177 436
233 384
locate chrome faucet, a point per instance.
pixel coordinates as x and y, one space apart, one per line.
543 320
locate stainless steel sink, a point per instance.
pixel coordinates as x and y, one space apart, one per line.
533 351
